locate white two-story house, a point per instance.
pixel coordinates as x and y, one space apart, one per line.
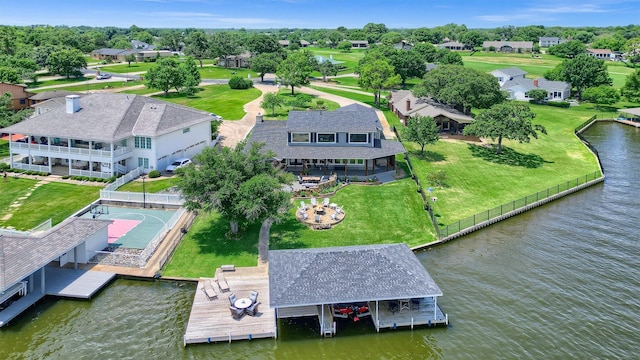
348 141
105 134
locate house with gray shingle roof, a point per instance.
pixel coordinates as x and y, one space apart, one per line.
342 279
508 46
105 134
404 104
349 138
547 41
513 81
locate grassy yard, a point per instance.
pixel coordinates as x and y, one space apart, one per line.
150 185
62 81
124 68
4 148
398 205
216 72
350 58
54 200
96 86
477 179
282 112
219 99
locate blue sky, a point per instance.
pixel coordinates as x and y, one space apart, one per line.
264 14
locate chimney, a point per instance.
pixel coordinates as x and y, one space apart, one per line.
535 82
408 104
259 118
73 103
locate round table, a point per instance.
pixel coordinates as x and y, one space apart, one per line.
242 303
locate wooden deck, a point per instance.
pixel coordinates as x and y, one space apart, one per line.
80 284
411 317
211 321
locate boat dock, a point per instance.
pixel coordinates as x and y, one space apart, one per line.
211 320
407 317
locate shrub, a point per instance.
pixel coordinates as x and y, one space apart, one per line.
437 178
4 167
65 177
561 104
238 82
154 174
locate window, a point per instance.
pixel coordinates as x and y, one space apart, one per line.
23 101
300 137
142 142
359 138
144 162
326 138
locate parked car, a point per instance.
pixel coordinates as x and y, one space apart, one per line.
178 164
103 76
217 117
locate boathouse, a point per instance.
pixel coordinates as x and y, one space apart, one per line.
31 265
384 282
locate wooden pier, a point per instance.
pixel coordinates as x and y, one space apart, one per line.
79 284
211 320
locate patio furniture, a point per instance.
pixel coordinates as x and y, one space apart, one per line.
253 296
208 289
325 202
323 179
305 216
242 303
333 206
236 313
320 211
232 299
334 216
253 309
415 304
222 282
299 179
318 218
404 304
393 307
301 210
314 202
339 209
303 205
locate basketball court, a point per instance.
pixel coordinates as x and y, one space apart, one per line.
132 228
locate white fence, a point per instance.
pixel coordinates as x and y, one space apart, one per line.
44 226
124 179
169 199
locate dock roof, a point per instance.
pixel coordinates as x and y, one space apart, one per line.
347 274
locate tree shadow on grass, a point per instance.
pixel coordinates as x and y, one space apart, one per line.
212 239
287 234
427 155
508 157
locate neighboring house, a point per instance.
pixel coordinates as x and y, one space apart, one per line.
547 41
135 44
119 55
286 43
508 46
454 46
404 104
347 139
20 97
602 54
507 74
359 44
236 61
403 45
512 81
105 134
47 100
31 264
142 55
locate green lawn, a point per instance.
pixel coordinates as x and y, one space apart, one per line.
219 99
62 81
96 86
478 180
54 200
282 112
216 72
4 148
150 185
350 58
125 68
389 213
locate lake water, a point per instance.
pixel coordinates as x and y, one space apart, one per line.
558 282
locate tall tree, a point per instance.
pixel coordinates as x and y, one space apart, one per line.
225 44
129 58
508 120
262 43
601 95
408 64
197 45
272 101
296 69
265 63
631 88
9 117
585 71
9 75
427 52
66 62
327 68
172 40
568 49
377 74
421 130
240 183
167 74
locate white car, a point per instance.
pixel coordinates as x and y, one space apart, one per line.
217 117
178 164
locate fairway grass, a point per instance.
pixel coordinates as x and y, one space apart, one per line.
54 200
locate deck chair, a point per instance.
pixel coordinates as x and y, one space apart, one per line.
305 216
303 205
334 216
232 298
253 309
339 209
318 218
222 282
325 202
208 289
236 313
253 296
314 202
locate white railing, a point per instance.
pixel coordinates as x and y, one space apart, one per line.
24 166
98 174
125 178
71 150
169 199
44 226
155 242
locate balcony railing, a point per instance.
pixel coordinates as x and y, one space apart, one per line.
55 149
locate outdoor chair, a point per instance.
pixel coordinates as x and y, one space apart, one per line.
339 209
303 205
415 304
299 179
314 202
323 179
253 309
334 216
208 289
301 210
253 296
305 216
393 307
325 202
236 313
318 218
232 299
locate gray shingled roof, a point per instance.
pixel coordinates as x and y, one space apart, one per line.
274 135
347 274
351 118
111 117
425 107
109 51
632 111
513 44
20 256
528 84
